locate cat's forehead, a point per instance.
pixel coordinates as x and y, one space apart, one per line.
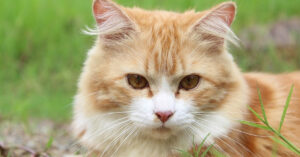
166 43
161 19
163 39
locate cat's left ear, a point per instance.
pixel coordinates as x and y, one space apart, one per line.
214 26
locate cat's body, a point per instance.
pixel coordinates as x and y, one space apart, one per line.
274 91
250 141
157 81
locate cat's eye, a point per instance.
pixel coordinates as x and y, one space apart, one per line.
189 82
137 81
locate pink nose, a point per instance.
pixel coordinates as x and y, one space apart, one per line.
164 116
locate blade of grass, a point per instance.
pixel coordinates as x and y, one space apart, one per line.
49 144
262 106
256 114
286 107
255 125
184 153
274 147
276 132
277 140
216 153
194 145
285 140
201 144
9 153
206 151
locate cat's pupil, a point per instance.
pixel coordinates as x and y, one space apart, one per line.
138 79
189 80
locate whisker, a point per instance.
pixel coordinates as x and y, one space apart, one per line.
115 140
111 135
216 145
116 124
264 136
201 125
234 141
134 130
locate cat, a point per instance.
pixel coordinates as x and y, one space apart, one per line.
158 81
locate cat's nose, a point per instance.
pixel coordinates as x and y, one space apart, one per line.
164 116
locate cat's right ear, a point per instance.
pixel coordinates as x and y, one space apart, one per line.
113 25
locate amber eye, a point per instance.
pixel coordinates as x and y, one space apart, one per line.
189 82
137 81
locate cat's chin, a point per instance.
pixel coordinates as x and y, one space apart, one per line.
161 133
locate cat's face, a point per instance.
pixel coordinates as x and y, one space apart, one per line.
163 74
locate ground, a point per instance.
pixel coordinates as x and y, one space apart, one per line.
38 139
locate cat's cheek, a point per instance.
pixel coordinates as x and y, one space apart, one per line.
215 125
141 113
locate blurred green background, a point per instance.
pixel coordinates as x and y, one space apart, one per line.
42 47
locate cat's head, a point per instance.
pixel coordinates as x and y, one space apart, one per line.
159 74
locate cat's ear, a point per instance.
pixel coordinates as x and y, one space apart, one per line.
112 22
214 26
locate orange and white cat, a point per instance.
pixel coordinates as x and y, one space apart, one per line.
158 81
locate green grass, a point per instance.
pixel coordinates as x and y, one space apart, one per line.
49 144
278 137
42 48
196 151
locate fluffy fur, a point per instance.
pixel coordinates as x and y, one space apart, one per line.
113 119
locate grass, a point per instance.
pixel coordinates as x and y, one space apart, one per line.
49 144
196 149
278 137
42 48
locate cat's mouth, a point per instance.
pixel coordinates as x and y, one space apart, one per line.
161 132
162 129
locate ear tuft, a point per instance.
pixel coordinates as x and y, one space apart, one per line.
215 25
112 23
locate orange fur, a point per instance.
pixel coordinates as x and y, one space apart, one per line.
161 44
